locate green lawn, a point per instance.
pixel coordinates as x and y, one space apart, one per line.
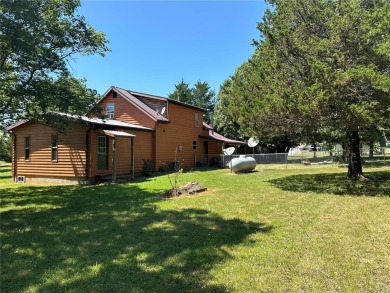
304 228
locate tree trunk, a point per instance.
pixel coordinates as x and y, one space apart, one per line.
371 144
315 151
355 170
344 155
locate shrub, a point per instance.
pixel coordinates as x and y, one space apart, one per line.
164 167
147 167
216 162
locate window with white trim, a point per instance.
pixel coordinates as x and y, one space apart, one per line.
110 110
196 119
194 145
27 148
54 148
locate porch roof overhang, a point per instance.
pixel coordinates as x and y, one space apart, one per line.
217 137
116 133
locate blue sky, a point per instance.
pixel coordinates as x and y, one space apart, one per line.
157 43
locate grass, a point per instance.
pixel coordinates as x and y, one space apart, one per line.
304 228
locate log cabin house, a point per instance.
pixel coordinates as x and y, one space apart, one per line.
138 128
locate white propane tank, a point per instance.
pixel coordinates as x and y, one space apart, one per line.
242 164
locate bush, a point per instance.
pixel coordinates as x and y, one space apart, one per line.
147 167
164 167
216 162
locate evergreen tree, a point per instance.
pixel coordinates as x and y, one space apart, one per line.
201 95
321 67
182 93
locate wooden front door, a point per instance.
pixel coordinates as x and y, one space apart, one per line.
102 152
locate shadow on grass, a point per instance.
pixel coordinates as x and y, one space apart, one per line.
5 171
379 184
110 239
371 163
376 162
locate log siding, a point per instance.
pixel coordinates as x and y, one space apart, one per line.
70 152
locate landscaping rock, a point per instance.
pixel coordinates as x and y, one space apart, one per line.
188 188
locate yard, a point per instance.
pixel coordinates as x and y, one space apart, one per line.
304 228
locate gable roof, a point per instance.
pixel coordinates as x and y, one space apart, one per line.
167 99
153 114
137 99
106 123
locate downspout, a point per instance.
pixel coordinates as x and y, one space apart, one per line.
87 153
14 157
132 158
154 146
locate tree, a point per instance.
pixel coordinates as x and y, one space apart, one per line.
182 93
5 146
243 98
201 95
224 121
37 40
321 67
339 54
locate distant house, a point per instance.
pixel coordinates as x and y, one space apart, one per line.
139 128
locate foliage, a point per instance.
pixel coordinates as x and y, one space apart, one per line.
224 120
216 162
5 146
37 41
308 229
182 93
164 167
201 95
321 67
147 167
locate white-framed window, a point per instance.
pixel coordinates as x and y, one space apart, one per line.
194 145
27 148
54 148
196 119
110 110
102 152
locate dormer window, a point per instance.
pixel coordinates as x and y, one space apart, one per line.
110 109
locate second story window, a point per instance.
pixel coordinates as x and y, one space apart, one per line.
110 109
196 119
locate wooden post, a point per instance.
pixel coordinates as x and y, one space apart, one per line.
113 159
132 158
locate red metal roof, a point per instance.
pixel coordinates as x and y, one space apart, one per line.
140 105
91 120
216 136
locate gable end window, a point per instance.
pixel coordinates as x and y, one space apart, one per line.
196 119
110 110
27 148
54 148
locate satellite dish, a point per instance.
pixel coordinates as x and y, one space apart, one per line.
162 111
253 141
229 151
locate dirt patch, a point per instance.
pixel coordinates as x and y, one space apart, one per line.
189 188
